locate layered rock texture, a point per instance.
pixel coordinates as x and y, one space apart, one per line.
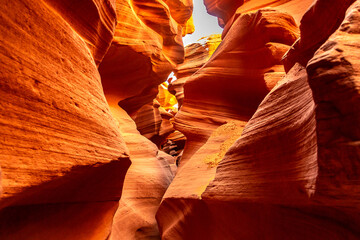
196 55
292 171
63 158
148 41
146 181
265 144
64 154
243 69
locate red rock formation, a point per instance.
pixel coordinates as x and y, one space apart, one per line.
63 158
225 9
296 8
145 183
154 122
93 20
329 13
151 46
250 179
196 55
243 69
294 171
334 77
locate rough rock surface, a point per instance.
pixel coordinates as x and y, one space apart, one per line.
294 172
322 12
145 183
334 77
154 122
196 55
243 69
63 158
147 42
225 9
93 20
251 176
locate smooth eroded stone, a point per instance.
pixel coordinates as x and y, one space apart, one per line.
93 20
262 179
63 158
196 55
313 33
147 46
145 183
334 77
242 70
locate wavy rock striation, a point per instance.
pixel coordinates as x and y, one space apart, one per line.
63 158
196 55
329 13
293 173
145 183
243 69
148 42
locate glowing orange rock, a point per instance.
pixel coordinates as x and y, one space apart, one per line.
154 122
63 159
243 69
252 173
296 164
93 20
145 183
334 78
148 42
329 13
196 55
296 8
225 9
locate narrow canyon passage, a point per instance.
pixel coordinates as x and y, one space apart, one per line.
179 119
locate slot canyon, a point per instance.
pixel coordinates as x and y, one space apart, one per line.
112 127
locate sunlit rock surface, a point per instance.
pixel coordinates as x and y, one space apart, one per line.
145 183
322 12
93 20
294 171
243 69
269 154
196 55
63 159
255 172
225 9
146 48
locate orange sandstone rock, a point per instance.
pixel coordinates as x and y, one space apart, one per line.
145 183
294 171
272 163
334 77
93 20
154 123
313 33
146 48
196 55
225 9
296 8
243 69
63 159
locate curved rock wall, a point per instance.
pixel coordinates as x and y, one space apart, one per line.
64 154
243 69
292 172
63 158
147 42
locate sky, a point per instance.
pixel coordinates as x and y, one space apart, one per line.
205 24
